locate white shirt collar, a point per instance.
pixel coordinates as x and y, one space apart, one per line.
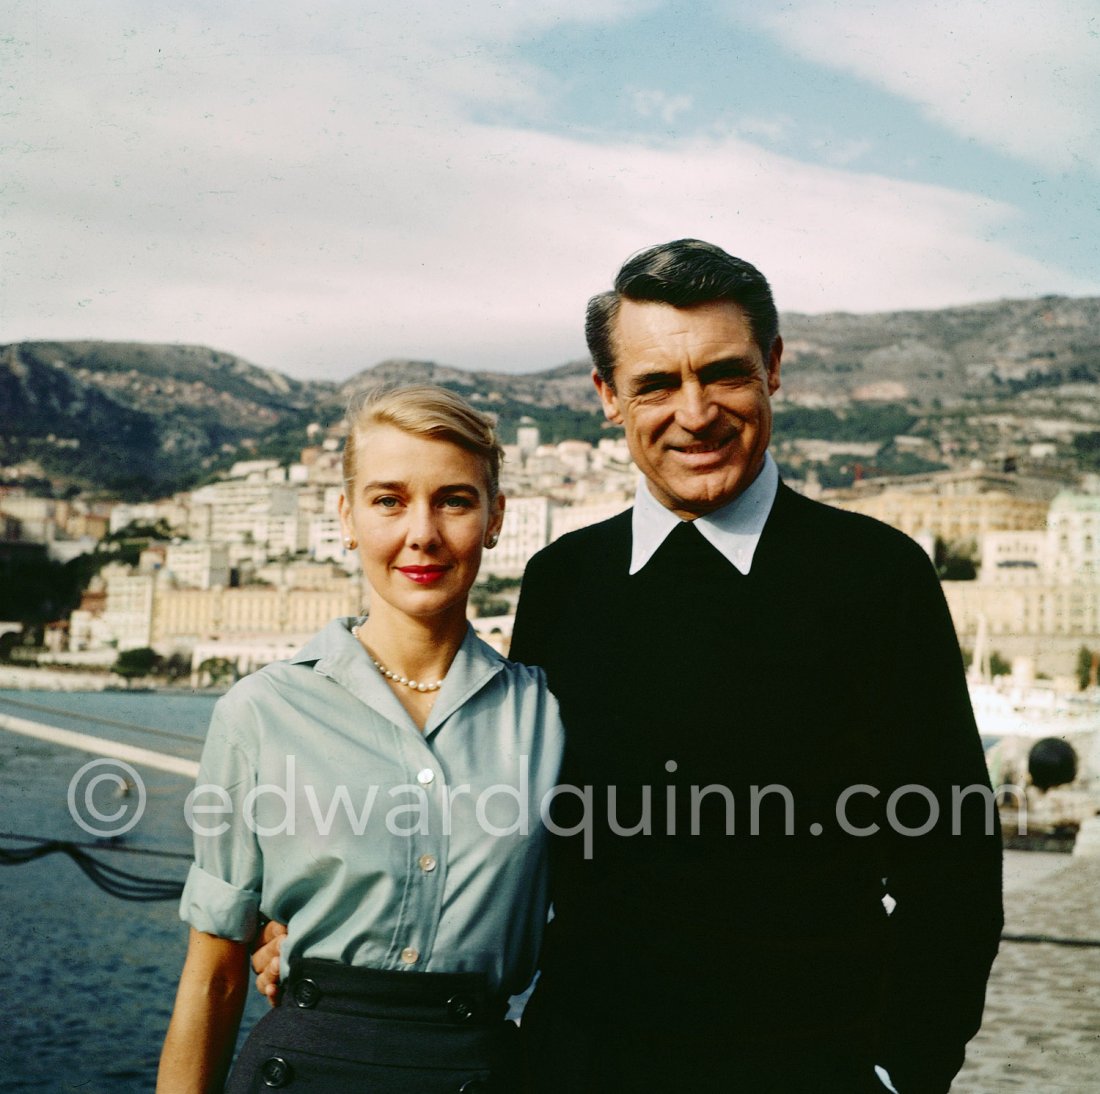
734 529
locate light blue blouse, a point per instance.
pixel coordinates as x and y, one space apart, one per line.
320 803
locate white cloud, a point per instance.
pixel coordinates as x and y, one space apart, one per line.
316 199
775 130
1019 76
658 104
840 152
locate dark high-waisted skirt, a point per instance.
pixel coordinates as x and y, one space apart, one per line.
345 1030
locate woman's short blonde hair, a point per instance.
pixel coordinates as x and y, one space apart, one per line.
424 410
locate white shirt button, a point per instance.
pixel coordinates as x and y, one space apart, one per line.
410 955
427 863
426 777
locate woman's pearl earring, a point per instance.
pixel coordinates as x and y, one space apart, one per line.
492 541
350 543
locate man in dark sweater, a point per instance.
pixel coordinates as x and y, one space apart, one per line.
770 744
779 863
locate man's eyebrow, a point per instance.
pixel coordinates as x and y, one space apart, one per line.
728 366
654 377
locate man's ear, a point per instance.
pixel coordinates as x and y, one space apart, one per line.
608 398
774 359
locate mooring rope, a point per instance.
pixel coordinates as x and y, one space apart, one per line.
117 882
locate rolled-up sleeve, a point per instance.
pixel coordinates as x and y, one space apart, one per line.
216 907
222 894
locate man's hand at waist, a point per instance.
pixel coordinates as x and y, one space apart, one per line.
267 947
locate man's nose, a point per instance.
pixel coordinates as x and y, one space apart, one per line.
695 410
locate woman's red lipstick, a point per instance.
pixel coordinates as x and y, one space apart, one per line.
423 575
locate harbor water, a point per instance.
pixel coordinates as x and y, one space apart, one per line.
92 977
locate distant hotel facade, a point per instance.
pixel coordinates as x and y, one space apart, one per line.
259 564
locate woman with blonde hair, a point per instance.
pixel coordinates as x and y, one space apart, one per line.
380 794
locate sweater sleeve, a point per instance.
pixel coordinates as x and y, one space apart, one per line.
944 851
534 620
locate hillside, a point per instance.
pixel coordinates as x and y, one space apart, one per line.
953 355
142 420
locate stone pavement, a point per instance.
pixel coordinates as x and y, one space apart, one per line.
1041 1032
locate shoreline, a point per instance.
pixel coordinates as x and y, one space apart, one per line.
21 678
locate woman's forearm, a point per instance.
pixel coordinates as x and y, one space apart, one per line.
202 1032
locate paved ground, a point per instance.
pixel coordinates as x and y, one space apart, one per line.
1042 1019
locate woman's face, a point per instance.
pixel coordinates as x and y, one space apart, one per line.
421 511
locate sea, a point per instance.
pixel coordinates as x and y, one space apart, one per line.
91 978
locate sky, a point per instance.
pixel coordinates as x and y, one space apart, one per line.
319 186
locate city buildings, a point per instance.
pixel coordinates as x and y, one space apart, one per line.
1037 594
258 561
957 507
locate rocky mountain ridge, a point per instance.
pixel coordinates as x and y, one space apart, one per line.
141 420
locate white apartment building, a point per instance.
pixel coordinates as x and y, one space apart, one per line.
612 450
527 437
1067 550
186 617
325 541
597 507
257 518
1073 530
526 530
197 565
36 517
128 616
245 654
1013 558
1038 591
575 456
257 469
324 536
956 506
1045 609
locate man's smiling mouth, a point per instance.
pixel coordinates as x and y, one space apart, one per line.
701 448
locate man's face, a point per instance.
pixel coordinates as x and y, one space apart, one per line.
693 394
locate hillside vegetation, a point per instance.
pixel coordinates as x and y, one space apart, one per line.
139 421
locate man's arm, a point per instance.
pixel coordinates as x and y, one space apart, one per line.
534 614
947 921
199 1044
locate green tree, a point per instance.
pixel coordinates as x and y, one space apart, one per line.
1085 660
8 641
136 530
220 670
1086 451
134 663
494 584
177 666
955 561
486 604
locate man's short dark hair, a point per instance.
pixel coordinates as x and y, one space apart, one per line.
682 273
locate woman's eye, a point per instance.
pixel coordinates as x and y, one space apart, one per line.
386 502
457 502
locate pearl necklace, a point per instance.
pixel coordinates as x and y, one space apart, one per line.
396 677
